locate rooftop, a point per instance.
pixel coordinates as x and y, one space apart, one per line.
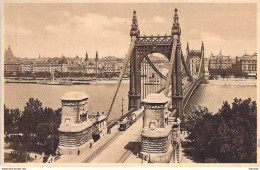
74 95
110 58
195 52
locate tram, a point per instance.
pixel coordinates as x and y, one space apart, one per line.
126 122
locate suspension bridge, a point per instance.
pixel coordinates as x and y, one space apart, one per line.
178 85
159 97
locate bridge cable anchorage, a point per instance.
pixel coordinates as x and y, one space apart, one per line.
174 47
185 66
154 68
129 53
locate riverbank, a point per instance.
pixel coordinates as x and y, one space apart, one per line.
67 81
234 82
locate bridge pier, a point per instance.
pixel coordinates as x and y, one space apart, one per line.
134 101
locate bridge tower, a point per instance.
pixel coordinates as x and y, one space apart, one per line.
188 58
203 63
170 46
177 95
145 45
135 78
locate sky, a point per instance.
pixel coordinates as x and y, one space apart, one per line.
51 30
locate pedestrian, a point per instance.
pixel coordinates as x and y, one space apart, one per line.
78 151
90 145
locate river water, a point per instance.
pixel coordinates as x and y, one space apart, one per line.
211 96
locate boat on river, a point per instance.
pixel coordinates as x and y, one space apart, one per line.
55 82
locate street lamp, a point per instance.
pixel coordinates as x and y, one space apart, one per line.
149 154
122 109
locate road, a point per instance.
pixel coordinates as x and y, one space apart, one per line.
90 153
101 148
123 146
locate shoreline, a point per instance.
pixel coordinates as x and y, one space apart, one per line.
98 81
234 82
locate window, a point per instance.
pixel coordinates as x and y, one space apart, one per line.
67 121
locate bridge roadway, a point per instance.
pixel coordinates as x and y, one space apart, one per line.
123 146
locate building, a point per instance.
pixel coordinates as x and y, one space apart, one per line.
11 63
76 69
64 68
92 66
194 56
55 68
40 67
27 66
12 68
78 127
247 64
110 65
219 62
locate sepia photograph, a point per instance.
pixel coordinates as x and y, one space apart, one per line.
129 83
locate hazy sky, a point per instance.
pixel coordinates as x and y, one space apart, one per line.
53 29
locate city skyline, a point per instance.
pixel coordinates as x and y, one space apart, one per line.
71 29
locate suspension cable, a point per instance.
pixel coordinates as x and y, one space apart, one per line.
185 66
154 68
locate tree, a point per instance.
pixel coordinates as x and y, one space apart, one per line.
201 125
36 129
11 118
43 132
7 120
31 117
228 136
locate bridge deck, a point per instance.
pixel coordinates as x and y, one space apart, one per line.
127 141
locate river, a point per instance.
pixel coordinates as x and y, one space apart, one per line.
207 95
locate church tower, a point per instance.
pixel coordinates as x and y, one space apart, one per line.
97 62
86 62
86 59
